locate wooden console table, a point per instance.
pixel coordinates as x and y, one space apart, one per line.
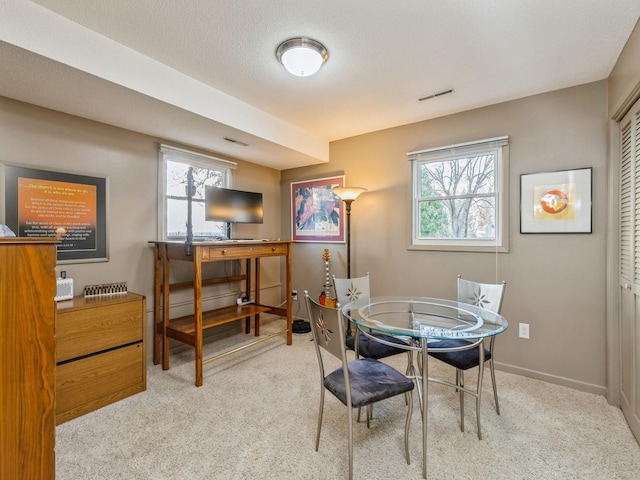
189 329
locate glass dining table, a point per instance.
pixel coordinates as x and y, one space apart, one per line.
422 322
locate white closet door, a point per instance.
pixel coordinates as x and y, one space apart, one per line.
630 267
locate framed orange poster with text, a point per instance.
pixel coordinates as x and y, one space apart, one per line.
69 207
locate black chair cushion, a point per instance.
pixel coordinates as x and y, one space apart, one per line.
462 359
369 348
371 381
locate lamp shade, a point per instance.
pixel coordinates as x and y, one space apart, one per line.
302 56
348 193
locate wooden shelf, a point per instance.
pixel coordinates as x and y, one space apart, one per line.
189 329
184 328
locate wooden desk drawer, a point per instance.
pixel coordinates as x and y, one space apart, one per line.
242 251
87 384
84 331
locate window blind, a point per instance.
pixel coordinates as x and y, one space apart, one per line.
198 159
461 149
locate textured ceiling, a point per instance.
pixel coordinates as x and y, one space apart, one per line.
194 72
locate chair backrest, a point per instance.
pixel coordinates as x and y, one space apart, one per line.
327 328
486 295
352 290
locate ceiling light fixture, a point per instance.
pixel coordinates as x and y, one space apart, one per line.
302 56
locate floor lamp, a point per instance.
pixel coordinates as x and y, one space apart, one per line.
348 195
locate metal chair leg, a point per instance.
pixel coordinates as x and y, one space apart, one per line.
349 415
479 388
320 411
478 416
408 371
495 387
460 383
479 392
406 427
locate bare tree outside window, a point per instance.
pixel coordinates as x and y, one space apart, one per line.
180 168
176 191
457 198
460 197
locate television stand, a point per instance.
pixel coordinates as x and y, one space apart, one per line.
189 329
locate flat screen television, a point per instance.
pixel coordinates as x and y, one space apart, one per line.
232 206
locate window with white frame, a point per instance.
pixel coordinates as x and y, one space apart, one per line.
459 197
179 168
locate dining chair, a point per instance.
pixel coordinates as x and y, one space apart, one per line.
358 383
465 354
357 292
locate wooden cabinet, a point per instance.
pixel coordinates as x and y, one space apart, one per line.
100 355
27 358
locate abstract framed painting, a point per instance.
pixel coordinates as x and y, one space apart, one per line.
317 214
556 202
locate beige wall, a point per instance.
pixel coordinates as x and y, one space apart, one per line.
40 138
555 283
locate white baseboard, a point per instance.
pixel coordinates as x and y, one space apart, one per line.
546 377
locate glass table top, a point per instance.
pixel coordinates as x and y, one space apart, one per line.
423 317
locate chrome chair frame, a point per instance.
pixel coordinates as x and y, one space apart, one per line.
473 293
356 291
373 380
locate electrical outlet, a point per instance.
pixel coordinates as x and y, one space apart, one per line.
524 330
294 295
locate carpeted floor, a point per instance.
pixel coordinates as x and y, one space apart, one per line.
255 418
